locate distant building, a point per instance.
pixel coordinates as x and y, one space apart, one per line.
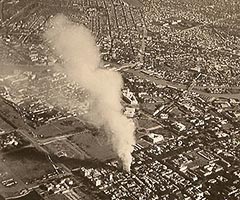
154 138
178 126
164 116
129 112
85 172
97 182
129 97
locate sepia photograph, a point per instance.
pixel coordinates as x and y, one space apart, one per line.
119 99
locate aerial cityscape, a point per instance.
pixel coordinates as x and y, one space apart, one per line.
120 100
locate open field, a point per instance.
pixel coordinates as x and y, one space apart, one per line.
98 147
5 126
61 127
146 123
57 197
31 196
62 148
135 3
7 174
47 131
10 115
28 163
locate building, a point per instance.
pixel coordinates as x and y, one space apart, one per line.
129 97
97 182
154 138
129 112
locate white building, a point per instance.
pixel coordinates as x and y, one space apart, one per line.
129 112
155 138
129 97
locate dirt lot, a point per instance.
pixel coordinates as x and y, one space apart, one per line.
98 147
5 126
61 127
28 163
64 148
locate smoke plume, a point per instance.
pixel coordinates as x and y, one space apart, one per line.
76 46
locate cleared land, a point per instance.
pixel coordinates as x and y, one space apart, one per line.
57 197
61 127
28 163
31 196
10 115
98 147
5 175
5 126
145 122
63 148
135 3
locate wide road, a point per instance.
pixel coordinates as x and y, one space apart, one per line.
137 72
163 82
17 16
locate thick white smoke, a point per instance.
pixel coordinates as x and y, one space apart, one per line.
76 46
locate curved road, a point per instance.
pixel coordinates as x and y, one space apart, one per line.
184 87
137 72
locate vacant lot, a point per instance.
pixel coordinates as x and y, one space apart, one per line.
135 3
98 147
48 131
56 197
61 127
28 163
10 115
6 174
31 196
5 126
145 122
63 148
